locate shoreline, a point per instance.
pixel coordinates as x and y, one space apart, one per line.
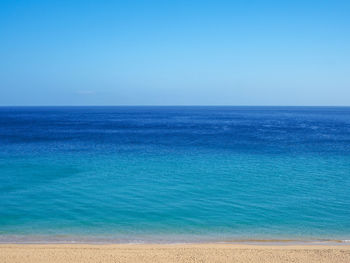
248 243
65 240
196 252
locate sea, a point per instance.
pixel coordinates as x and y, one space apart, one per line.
174 174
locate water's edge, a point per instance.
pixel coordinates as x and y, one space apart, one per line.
105 241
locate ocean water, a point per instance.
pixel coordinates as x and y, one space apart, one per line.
174 174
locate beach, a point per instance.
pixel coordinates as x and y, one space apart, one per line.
58 253
174 131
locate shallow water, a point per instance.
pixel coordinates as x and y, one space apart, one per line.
174 174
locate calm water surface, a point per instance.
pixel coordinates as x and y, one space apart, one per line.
174 174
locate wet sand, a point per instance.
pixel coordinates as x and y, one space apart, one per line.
69 253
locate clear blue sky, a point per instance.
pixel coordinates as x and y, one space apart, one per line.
187 52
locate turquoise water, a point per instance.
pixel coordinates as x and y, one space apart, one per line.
174 174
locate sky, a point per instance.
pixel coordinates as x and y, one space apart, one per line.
184 52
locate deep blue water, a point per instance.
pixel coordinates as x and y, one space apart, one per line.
155 174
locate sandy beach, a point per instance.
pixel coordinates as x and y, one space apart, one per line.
52 253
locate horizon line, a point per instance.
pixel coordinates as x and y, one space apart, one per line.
175 105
